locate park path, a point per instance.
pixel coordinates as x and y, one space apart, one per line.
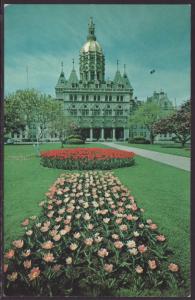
169 159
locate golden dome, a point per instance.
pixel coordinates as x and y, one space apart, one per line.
91 46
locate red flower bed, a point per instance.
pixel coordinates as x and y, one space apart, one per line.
87 158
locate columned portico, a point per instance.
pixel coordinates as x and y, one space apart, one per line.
102 134
113 134
91 134
126 133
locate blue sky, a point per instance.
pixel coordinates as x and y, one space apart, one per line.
144 37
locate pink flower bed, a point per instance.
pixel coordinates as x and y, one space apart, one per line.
91 239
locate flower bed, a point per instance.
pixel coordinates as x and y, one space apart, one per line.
91 239
87 159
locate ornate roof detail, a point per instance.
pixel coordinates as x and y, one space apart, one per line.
118 78
73 79
62 80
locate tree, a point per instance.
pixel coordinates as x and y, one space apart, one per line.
60 124
179 124
148 114
14 121
28 110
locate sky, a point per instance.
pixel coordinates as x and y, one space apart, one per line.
144 37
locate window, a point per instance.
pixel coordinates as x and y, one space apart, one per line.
71 97
75 97
117 98
121 98
83 97
94 97
106 98
110 98
87 97
98 97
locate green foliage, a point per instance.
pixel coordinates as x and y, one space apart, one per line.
75 141
29 108
138 140
147 114
178 123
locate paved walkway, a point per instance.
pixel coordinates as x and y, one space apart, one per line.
169 159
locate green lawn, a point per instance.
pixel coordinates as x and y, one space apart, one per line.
163 191
174 149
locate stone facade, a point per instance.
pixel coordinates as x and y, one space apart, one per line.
100 107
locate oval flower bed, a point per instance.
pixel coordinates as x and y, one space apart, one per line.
87 158
91 239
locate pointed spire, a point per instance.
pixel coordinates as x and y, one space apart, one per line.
73 79
124 68
62 80
73 63
91 30
117 62
126 79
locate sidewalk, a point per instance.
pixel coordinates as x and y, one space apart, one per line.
169 159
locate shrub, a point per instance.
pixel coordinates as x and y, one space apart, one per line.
87 159
75 141
139 140
91 239
76 136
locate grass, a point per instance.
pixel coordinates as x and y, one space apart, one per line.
174 149
163 191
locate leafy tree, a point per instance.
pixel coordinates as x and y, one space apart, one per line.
14 121
179 124
28 109
148 114
60 124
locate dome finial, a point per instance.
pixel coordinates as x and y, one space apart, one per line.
62 65
91 30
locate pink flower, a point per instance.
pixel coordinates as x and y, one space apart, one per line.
47 245
73 246
118 244
5 268
18 243
129 217
153 226
10 254
48 257
115 236
88 241
160 238
108 268
25 222
152 264
142 248
123 227
35 272
57 237
102 252
173 267
27 264
139 269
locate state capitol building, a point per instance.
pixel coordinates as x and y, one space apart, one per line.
100 107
